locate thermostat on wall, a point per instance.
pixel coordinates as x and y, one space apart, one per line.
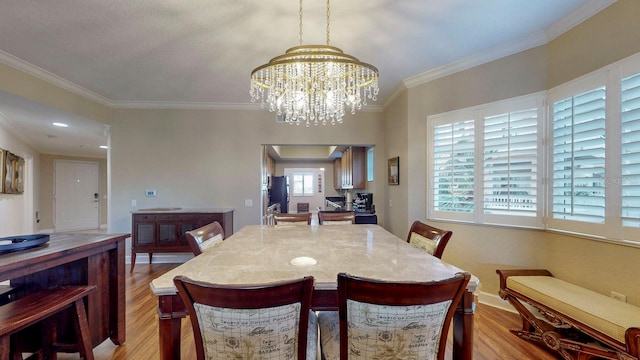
150 192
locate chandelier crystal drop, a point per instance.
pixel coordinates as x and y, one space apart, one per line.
314 84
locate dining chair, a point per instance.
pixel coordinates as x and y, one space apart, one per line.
428 238
335 218
293 219
258 321
390 320
205 237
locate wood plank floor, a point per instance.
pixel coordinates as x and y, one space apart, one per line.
493 341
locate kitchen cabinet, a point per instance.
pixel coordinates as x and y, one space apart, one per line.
162 231
337 173
353 168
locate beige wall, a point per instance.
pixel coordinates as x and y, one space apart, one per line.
397 196
209 158
609 36
483 249
17 211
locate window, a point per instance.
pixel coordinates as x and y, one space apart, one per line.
454 167
630 151
303 185
370 164
579 157
511 163
591 128
485 164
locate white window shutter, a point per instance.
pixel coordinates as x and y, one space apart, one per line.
630 146
578 191
453 167
511 163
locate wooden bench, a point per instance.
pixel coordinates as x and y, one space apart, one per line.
41 306
575 322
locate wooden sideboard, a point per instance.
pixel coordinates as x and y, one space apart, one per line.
162 230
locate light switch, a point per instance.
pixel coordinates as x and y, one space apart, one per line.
248 202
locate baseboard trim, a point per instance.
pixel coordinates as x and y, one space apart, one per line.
495 301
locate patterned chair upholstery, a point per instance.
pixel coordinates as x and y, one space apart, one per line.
205 237
268 321
387 320
429 238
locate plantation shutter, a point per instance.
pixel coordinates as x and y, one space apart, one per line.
578 177
510 163
630 157
454 167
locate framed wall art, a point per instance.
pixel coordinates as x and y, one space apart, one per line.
393 172
12 173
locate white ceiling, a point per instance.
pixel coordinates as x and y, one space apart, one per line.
200 53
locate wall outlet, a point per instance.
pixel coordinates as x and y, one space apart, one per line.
618 296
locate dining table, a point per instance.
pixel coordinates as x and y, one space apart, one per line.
259 254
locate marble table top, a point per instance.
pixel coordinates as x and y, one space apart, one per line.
262 254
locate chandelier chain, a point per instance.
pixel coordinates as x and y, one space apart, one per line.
300 27
328 17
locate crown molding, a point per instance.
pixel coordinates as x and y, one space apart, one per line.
397 91
590 8
42 74
182 105
495 53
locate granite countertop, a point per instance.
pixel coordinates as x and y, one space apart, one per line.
261 254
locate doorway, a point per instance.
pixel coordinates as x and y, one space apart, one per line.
76 195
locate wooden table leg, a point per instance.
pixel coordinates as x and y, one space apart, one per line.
171 310
463 328
117 301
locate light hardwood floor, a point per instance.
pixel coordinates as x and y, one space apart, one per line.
493 341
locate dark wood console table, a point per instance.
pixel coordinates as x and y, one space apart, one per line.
161 230
77 259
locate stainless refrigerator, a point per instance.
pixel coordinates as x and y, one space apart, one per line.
279 192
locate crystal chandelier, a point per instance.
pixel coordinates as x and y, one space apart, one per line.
313 84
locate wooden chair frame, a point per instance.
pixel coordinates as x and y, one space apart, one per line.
247 297
292 218
335 216
431 232
197 236
399 293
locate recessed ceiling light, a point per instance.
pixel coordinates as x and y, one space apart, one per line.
60 124
104 147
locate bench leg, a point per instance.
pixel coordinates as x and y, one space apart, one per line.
82 331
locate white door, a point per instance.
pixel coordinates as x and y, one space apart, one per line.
76 196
